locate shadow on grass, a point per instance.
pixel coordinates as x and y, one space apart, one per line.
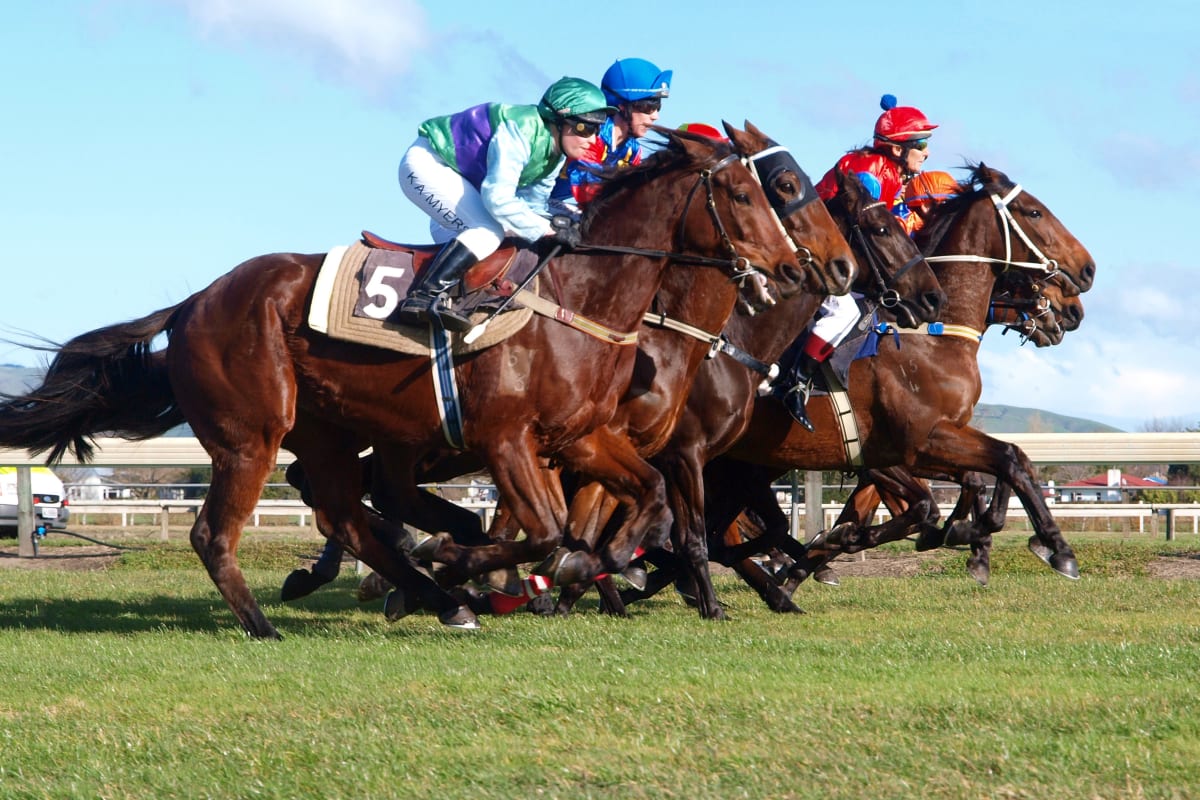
317 615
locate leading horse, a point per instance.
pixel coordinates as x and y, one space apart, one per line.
243 368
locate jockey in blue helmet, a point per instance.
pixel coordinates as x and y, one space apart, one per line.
635 88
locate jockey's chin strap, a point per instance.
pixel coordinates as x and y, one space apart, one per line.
739 267
888 296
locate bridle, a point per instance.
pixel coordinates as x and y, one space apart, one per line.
740 268
888 296
1047 267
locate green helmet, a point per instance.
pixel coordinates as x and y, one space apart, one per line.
574 97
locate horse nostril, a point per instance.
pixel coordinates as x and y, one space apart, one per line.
934 301
843 269
1087 275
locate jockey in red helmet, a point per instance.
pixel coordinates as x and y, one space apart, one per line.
899 149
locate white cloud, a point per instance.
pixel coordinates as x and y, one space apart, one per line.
365 40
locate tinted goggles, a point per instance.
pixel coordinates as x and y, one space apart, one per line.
647 106
581 127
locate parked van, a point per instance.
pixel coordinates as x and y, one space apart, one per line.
50 506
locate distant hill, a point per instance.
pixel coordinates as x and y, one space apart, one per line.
989 418
1011 419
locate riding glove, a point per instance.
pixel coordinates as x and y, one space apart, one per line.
566 231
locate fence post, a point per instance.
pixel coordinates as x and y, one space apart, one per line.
164 522
814 504
1170 524
25 521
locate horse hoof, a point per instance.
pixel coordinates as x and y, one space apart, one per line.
1040 550
959 534
301 583
505 581
552 562
826 576
929 539
461 618
542 605
398 605
1066 565
431 548
573 568
372 587
635 577
980 572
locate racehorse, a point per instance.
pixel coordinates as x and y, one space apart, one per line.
913 400
246 372
891 272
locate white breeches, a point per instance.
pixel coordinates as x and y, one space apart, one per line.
454 206
835 319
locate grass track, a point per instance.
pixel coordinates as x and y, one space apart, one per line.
134 682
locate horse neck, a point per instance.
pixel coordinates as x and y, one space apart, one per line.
968 285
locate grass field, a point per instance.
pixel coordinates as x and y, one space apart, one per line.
134 682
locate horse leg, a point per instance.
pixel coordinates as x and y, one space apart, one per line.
953 449
535 505
684 474
609 457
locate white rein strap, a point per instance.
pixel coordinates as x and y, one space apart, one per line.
1046 265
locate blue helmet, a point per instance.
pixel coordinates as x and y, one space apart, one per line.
630 79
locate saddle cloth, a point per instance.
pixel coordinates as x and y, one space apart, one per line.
359 287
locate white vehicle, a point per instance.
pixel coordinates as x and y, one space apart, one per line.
50 506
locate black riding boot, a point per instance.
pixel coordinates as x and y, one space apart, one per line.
438 277
794 385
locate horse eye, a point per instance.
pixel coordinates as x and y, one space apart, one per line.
881 230
743 198
1035 214
785 187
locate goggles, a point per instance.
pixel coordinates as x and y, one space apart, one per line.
647 106
918 144
582 128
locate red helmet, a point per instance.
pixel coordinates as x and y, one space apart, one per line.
899 124
704 130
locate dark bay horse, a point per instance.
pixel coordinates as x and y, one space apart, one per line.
912 402
683 329
243 368
723 395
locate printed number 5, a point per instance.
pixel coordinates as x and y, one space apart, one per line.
378 287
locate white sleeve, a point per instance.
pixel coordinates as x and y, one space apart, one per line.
508 153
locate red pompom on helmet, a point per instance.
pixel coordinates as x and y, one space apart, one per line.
900 124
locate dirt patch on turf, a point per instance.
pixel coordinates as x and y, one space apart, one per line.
1183 565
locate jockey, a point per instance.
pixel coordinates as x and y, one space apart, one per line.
899 149
485 173
926 190
636 88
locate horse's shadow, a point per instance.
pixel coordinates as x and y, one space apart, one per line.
163 612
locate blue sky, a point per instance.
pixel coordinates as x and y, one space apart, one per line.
149 146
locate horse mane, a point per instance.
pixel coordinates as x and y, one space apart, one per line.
944 215
675 155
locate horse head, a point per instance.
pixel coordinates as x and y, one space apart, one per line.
724 219
1033 236
892 271
1039 312
817 238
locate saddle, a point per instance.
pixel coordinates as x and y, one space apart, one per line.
491 271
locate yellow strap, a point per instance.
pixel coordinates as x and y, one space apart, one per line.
546 308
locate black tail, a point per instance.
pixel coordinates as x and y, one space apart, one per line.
106 382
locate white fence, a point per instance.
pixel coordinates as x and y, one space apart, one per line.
1041 448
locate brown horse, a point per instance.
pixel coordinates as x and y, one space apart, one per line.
246 372
723 395
686 328
912 402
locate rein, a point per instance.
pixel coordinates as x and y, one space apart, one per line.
1009 225
739 267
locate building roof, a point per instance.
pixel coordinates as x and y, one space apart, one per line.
1101 482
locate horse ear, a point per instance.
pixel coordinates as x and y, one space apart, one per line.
736 136
751 128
